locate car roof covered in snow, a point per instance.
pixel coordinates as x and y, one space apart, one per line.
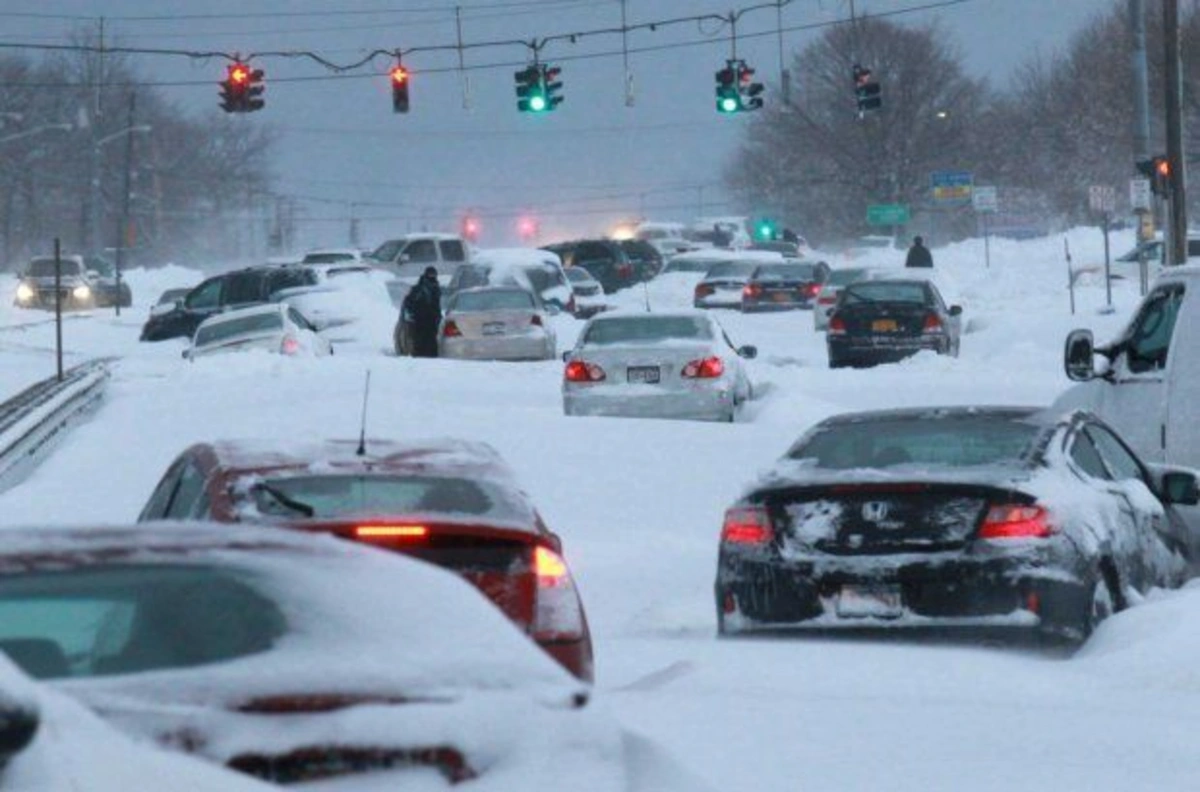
445 456
1039 415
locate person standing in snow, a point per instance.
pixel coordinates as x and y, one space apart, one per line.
918 254
423 310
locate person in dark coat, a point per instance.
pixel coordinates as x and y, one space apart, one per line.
423 312
918 254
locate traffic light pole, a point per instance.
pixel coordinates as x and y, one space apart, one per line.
1177 206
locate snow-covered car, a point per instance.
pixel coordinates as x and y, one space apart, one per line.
589 294
336 256
294 657
496 323
338 293
169 300
50 742
838 279
274 327
656 365
781 287
887 320
722 284
1011 518
81 284
539 271
451 503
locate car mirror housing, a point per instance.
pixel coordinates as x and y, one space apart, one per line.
748 351
1079 356
566 356
955 310
1181 487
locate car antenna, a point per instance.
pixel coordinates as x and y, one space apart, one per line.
646 295
362 429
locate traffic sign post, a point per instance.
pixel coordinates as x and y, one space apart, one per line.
1142 201
888 214
985 200
1103 199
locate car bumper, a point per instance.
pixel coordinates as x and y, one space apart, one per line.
648 401
499 348
889 350
45 300
763 306
719 300
961 593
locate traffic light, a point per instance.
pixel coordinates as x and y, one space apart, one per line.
470 228
552 85
527 227
765 229
729 98
748 90
399 76
537 88
254 92
242 89
1158 171
866 90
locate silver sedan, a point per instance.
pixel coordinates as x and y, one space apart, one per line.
496 323
656 365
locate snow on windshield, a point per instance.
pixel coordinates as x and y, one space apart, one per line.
641 329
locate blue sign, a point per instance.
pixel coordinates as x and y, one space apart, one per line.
951 179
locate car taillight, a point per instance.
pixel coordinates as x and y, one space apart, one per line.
1015 521
751 290
932 324
828 299
582 371
535 320
289 346
450 330
837 325
708 368
747 525
390 532
558 615
813 289
703 290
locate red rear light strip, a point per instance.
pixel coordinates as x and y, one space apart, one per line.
1015 521
749 525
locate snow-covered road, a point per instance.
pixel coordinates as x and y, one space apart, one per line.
639 504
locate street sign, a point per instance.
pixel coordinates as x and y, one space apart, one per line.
951 186
887 214
985 199
1102 198
1139 194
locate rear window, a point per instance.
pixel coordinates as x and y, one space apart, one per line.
290 278
90 622
885 291
243 325
327 258
44 267
639 329
328 497
785 272
499 300
731 269
954 442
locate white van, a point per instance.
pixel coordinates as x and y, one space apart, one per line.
409 255
1148 379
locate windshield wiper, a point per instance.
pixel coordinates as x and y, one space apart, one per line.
284 500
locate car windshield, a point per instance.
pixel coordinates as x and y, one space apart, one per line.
44 267
99 621
640 329
885 291
731 269
336 496
790 272
963 441
243 325
327 258
844 277
579 275
497 300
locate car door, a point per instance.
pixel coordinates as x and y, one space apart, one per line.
1162 550
201 303
1136 403
1183 383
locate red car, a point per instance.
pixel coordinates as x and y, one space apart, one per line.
452 503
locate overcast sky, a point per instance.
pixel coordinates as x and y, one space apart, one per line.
579 169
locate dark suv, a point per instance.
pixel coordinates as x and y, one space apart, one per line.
604 259
232 289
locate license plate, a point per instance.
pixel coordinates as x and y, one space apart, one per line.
884 326
781 297
648 375
881 601
493 328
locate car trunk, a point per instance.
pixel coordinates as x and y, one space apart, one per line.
490 324
898 319
269 341
882 518
645 365
721 286
784 291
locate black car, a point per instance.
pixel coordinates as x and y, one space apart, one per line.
1008 518
647 260
883 321
605 259
232 289
780 287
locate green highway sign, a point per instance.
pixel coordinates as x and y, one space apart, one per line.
887 214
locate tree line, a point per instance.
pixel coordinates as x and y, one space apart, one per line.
1063 123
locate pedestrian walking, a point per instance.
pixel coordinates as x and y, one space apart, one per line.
918 254
423 311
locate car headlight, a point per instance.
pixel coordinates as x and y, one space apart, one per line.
81 292
24 292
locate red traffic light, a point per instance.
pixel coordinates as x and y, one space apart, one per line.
1162 166
239 73
399 75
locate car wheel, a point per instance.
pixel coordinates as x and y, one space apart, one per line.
1101 604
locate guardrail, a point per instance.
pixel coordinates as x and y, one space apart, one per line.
37 417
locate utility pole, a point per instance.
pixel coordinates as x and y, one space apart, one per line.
92 237
1177 222
124 235
1141 127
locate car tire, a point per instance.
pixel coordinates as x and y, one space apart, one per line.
1101 604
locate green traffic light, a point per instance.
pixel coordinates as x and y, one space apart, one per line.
728 104
537 103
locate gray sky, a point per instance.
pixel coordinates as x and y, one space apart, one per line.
579 169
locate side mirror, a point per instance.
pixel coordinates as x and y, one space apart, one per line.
187 354
955 310
1182 487
1078 356
748 351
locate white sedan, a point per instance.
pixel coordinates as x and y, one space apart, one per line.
656 365
275 327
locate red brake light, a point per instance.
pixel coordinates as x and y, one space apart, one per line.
535 320
932 324
703 290
837 325
290 346
582 371
749 525
450 330
813 289
1015 521
751 290
708 368
391 532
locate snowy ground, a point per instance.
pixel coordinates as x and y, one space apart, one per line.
639 504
